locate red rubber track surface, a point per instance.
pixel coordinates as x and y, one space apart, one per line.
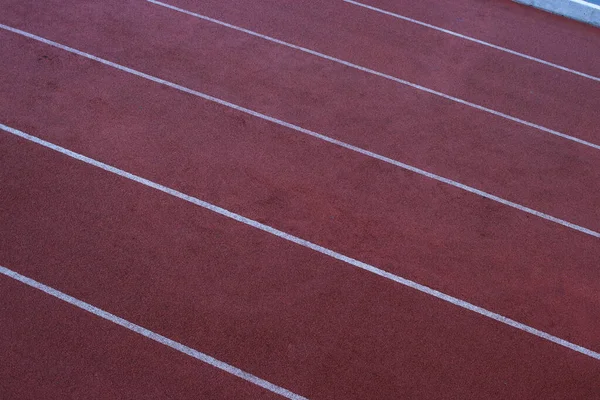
294 317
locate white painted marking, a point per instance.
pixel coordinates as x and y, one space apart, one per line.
386 76
311 133
307 244
152 335
472 39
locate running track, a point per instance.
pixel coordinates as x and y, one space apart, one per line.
353 205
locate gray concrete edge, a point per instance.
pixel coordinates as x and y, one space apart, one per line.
575 9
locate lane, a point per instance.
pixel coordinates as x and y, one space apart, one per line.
469 38
52 350
447 239
255 301
502 82
536 171
505 23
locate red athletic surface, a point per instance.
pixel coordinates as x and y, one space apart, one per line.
296 318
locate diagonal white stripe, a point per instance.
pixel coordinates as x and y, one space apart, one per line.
152 335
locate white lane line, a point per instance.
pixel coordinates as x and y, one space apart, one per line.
313 134
152 335
381 74
307 244
472 39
